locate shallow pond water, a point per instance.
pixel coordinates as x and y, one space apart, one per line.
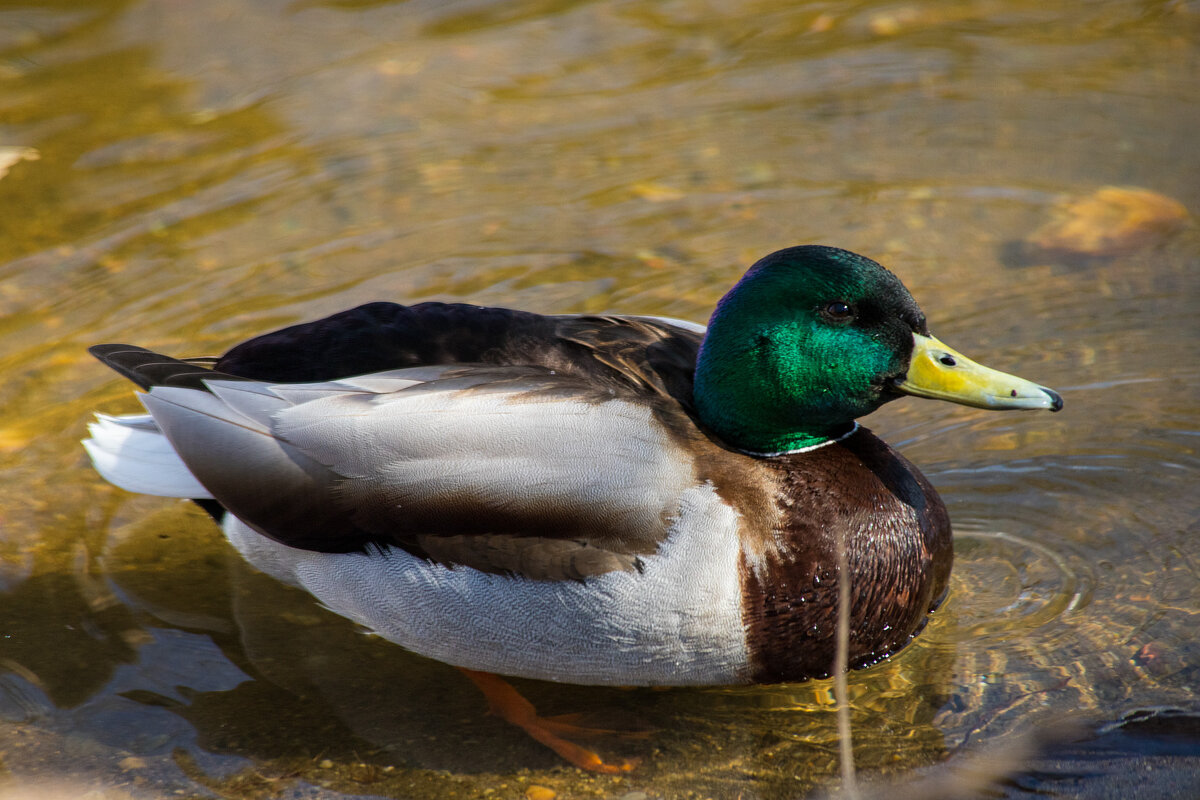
185 175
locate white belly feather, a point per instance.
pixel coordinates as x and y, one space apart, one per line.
677 622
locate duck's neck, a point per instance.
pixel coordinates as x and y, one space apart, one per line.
762 398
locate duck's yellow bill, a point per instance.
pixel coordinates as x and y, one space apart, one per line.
943 373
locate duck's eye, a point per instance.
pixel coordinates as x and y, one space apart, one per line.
837 311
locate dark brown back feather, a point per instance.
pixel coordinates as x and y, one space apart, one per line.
149 369
619 354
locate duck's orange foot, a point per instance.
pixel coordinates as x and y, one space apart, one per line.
585 726
507 703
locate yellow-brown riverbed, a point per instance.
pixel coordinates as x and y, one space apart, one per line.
185 175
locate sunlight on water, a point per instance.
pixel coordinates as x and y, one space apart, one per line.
184 176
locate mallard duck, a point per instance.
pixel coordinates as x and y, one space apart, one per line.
621 500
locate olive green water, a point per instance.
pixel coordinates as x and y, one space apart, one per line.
208 171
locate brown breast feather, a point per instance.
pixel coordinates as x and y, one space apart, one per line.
897 534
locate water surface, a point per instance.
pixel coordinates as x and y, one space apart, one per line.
208 171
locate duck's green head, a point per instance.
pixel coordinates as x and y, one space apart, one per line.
811 338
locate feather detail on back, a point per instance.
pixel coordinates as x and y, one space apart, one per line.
614 354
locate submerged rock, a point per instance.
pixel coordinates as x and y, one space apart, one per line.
1110 221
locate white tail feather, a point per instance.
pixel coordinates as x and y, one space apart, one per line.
130 452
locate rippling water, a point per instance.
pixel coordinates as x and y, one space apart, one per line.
201 172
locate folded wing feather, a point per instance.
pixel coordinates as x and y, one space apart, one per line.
502 469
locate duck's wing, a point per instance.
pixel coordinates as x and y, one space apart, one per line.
518 469
618 354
